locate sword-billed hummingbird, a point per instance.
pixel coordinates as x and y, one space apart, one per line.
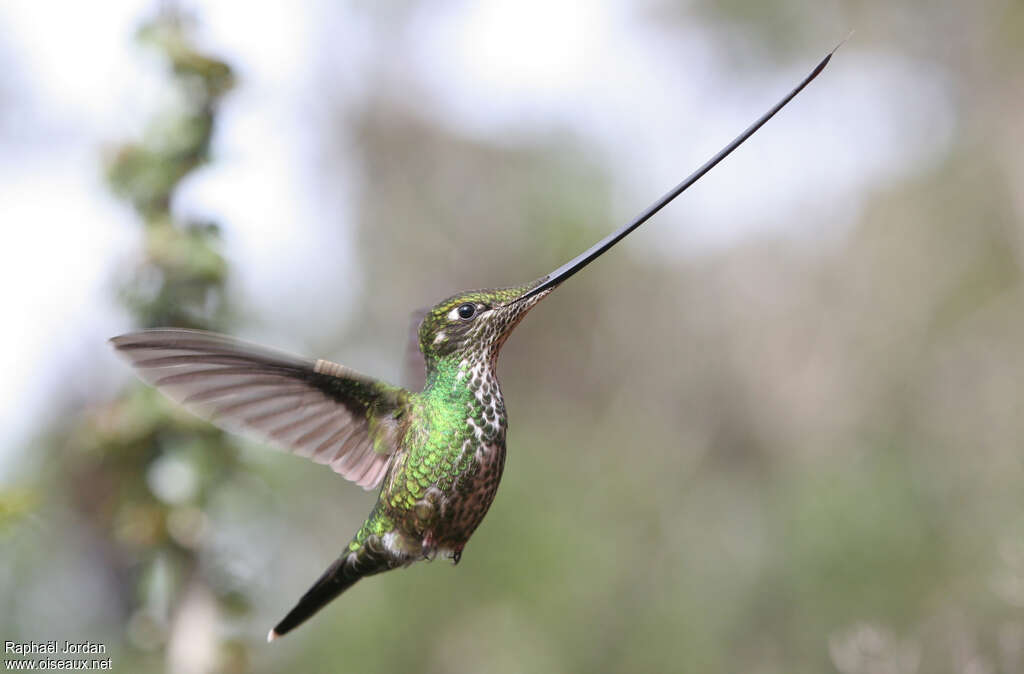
438 453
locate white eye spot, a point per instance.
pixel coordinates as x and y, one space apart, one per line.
453 315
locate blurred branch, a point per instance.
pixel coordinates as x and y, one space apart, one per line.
140 473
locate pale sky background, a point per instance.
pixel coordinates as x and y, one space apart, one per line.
653 109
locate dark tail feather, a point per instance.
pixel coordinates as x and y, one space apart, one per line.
342 574
333 582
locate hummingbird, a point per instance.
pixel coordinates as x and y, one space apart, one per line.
437 455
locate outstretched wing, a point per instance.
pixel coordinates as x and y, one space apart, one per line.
317 409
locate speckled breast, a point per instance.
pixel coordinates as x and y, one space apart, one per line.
464 506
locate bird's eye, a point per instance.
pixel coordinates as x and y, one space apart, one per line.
467 311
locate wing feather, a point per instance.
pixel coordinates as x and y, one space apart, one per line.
316 409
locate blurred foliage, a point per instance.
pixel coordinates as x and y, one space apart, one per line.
776 458
136 474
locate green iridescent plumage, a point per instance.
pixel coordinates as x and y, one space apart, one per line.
438 454
451 453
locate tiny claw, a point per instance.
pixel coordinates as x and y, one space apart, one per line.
456 556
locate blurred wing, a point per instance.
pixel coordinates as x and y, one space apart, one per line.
415 370
317 409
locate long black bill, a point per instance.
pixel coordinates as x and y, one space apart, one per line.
586 257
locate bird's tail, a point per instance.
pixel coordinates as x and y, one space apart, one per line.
370 558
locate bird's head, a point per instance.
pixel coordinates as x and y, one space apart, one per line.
474 325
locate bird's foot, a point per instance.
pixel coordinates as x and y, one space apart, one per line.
456 555
429 548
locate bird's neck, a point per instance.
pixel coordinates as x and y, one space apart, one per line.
464 391
461 376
